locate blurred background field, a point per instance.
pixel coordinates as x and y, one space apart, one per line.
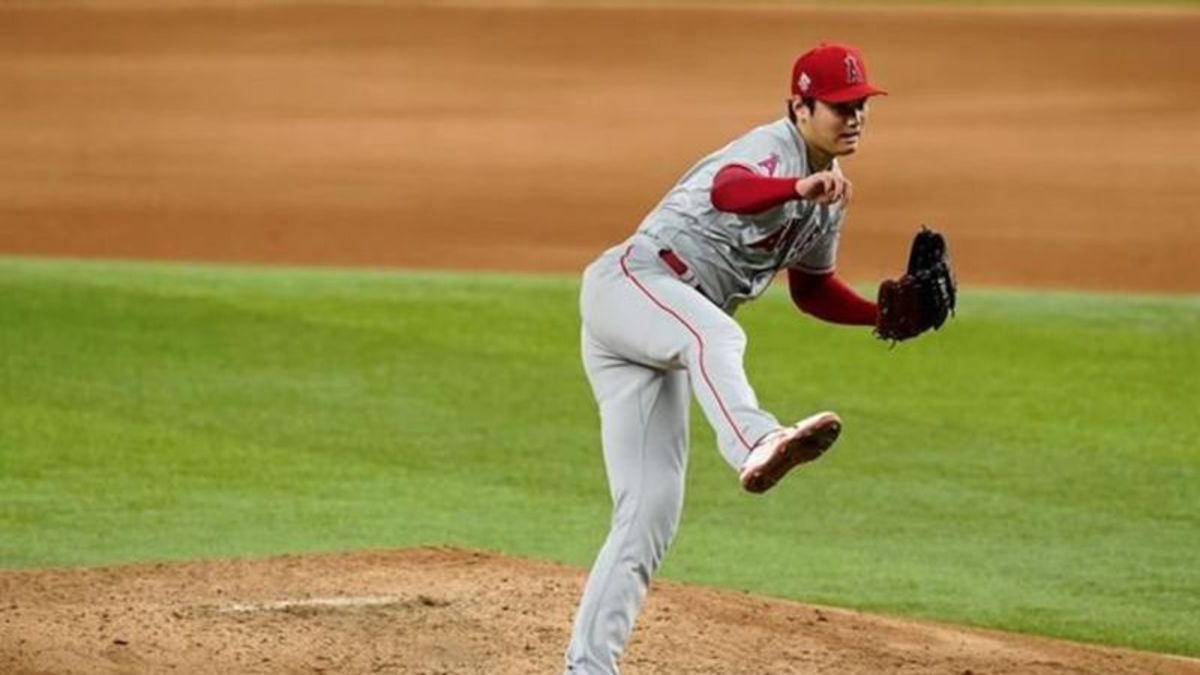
1057 149
1072 5
1031 467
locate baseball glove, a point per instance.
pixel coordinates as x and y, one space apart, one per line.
924 297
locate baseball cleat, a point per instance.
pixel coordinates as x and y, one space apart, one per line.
783 450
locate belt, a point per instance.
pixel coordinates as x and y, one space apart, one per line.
677 265
680 269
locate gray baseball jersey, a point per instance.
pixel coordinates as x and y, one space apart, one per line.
651 341
734 256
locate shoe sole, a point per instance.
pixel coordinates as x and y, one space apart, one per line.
801 449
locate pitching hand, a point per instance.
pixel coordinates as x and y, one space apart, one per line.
825 187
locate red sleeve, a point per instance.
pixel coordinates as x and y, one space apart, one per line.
737 189
830 299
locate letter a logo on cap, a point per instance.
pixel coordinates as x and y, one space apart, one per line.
830 72
853 73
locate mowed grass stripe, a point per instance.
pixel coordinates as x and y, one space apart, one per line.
1031 467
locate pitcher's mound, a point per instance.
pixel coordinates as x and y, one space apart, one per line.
443 610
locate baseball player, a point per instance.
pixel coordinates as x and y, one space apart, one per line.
658 327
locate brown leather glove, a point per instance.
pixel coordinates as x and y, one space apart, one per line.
924 297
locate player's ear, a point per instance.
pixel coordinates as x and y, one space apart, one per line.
798 110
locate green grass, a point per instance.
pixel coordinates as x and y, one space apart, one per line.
1032 467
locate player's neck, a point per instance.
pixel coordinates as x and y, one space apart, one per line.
817 159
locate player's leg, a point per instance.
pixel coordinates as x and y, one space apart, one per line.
712 347
644 312
644 428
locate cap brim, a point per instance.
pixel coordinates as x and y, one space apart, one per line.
852 93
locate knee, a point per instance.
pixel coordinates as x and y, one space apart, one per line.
725 338
653 526
732 336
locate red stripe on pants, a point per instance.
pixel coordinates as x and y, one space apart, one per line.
699 340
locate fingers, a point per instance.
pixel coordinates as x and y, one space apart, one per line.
821 187
833 189
837 190
827 188
843 190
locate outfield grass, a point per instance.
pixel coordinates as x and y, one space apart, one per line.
1032 467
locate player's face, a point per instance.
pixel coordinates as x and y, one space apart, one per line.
835 128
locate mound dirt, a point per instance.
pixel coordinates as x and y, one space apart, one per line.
442 610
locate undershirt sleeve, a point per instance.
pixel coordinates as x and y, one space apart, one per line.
738 189
828 298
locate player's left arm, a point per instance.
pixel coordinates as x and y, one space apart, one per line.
818 291
826 296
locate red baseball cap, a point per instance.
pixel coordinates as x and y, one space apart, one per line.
832 72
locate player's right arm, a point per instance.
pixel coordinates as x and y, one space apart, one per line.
738 189
825 187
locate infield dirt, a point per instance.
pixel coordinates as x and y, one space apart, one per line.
1055 148
452 611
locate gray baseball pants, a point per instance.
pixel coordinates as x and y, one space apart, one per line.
649 341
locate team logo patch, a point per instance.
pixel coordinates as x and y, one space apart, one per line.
853 72
804 82
770 164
